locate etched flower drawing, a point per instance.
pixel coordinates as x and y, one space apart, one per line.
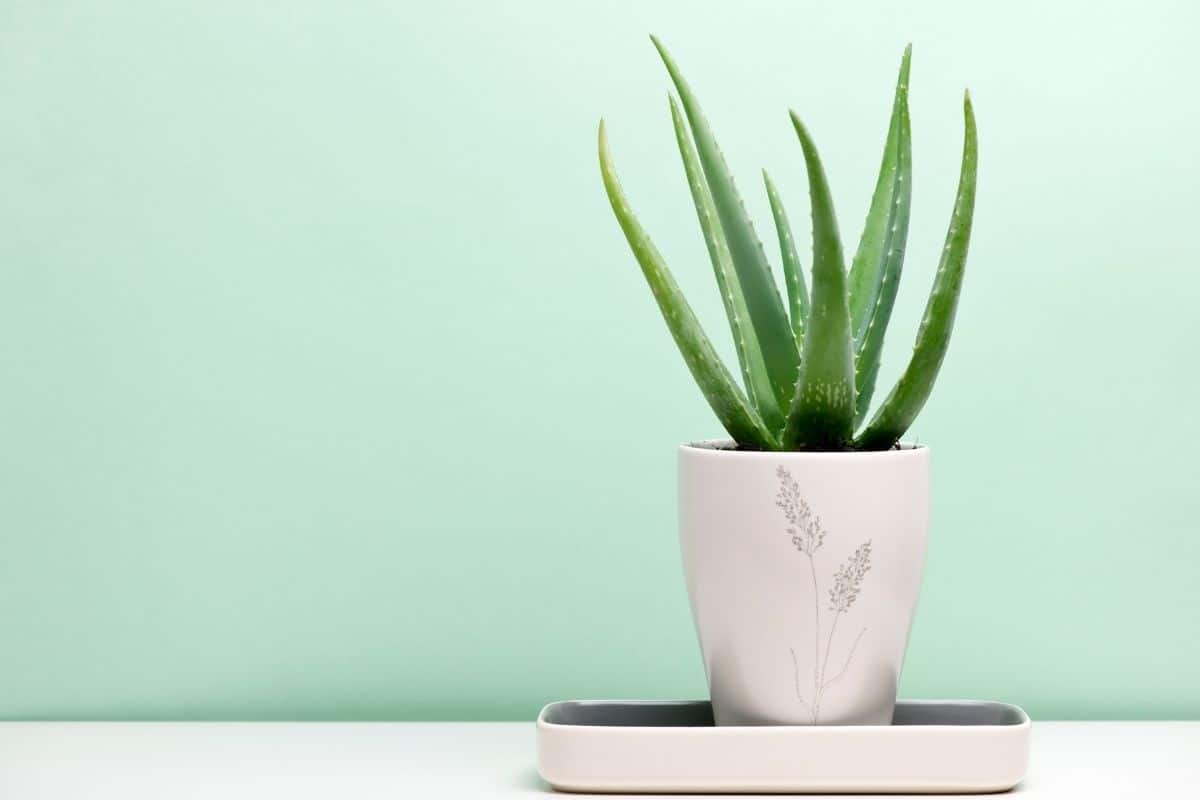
848 578
808 536
807 533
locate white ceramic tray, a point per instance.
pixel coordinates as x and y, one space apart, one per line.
935 746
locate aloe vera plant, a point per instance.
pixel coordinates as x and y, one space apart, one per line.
809 366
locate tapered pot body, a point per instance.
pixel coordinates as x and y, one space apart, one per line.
803 571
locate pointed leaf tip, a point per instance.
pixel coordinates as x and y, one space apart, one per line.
660 47
798 124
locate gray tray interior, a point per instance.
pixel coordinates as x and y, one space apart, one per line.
698 713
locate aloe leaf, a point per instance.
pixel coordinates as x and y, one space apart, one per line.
763 303
726 399
793 274
933 336
869 341
754 370
822 412
867 269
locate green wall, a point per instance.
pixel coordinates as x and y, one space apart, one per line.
328 388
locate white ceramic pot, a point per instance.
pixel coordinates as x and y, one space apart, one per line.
803 571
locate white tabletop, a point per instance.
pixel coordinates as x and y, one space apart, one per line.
131 761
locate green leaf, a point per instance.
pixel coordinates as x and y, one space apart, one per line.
726 399
933 337
793 274
763 303
822 412
866 270
869 338
754 370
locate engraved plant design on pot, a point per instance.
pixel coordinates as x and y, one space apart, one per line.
808 535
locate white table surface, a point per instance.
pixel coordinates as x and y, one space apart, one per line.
135 760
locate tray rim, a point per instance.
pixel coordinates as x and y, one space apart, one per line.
1024 721
943 758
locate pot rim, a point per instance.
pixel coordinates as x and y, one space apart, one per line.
724 448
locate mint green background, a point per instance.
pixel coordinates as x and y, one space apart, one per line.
328 388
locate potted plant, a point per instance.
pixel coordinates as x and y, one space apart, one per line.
803 538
